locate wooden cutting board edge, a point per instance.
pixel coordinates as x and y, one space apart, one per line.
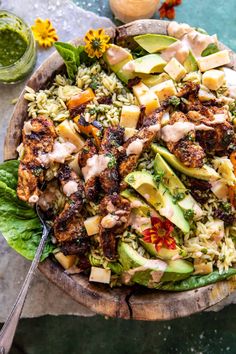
127 303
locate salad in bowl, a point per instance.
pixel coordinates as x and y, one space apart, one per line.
131 155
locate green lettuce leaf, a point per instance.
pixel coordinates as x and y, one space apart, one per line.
19 222
197 281
71 56
210 49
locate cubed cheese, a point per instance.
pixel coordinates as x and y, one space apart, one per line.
214 60
213 79
68 133
129 132
92 225
146 97
175 69
65 261
129 116
164 90
100 275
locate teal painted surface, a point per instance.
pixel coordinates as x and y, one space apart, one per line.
206 333
218 16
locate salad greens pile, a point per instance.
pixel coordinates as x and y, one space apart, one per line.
19 222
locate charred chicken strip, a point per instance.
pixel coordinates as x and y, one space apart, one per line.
91 185
112 139
38 136
115 211
189 152
69 225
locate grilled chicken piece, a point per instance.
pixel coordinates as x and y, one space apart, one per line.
190 153
116 213
38 136
91 185
190 88
112 139
217 140
69 224
128 163
79 246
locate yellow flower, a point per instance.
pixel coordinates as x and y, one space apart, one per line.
44 33
96 42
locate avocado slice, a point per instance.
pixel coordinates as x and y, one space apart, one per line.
150 272
126 72
143 208
153 43
150 63
152 80
190 63
164 253
116 57
175 186
158 196
206 172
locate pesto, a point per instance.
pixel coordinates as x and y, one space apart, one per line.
12 46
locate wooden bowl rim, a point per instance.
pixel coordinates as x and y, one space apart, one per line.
127 303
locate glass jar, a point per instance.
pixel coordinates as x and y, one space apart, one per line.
16 28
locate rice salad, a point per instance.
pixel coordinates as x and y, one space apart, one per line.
137 148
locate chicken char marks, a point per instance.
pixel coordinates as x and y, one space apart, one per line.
69 225
145 136
115 211
38 136
112 139
91 185
189 152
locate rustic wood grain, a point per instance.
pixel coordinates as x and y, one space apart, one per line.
136 303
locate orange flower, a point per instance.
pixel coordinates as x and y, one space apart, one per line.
167 9
160 234
96 43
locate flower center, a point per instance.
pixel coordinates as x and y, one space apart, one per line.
96 43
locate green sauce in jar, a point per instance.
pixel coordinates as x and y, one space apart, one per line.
12 46
17 48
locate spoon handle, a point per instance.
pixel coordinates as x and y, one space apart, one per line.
9 328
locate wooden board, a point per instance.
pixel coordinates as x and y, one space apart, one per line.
136 302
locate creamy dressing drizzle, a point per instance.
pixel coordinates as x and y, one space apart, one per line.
94 166
116 55
135 148
109 221
176 131
189 39
60 152
70 188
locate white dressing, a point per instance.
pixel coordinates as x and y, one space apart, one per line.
135 148
70 188
176 131
94 166
28 127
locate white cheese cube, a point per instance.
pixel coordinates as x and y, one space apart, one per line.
65 261
214 60
92 225
175 69
213 79
100 275
129 116
129 132
164 90
146 98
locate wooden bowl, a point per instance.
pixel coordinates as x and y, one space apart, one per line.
135 302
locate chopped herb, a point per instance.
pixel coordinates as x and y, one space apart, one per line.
112 162
158 176
131 179
204 250
189 214
93 111
174 101
178 197
94 84
37 171
210 49
226 206
232 108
